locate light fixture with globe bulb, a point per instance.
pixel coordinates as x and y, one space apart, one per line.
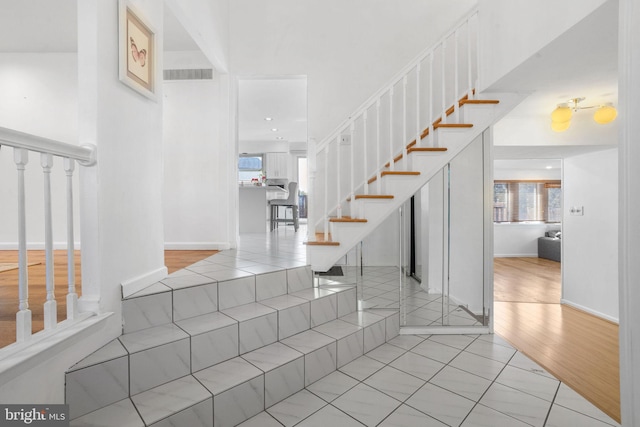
561 116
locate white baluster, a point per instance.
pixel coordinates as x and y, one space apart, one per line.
444 81
477 82
432 135
72 296
50 309
469 65
325 211
338 175
366 151
23 317
378 144
456 88
418 130
404 122
391 165
352 191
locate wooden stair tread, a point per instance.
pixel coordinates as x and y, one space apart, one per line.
453 125
347 219
322 243
374 196
399 173
426 149
478 101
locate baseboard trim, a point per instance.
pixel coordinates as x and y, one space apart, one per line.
197 246
515 255
590 311
133 285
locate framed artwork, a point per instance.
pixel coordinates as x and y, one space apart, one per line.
137 51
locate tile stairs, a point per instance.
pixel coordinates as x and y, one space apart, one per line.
197 351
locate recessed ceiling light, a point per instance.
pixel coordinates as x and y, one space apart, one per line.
274 130
268 118
279 137
549 167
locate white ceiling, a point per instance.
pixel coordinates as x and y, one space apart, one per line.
282 99
582 62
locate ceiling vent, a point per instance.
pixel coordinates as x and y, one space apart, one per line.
197 74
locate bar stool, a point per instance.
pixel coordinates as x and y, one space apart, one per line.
289 202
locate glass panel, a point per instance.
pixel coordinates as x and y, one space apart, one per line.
250 168
527 202
554 205
500 202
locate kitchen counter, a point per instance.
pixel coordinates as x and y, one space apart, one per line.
254 209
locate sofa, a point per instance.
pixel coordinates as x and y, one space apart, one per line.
549 246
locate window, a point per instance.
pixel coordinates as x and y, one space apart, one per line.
250 167
519 201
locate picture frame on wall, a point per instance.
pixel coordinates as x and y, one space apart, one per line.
137 54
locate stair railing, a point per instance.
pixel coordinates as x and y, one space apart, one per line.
403 112
23 144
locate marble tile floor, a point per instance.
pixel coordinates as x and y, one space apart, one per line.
438 380
413 380
378 289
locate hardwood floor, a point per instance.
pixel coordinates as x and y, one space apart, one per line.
174 260
576 347
543 280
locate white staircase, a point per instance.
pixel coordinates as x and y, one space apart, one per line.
396 142
366 210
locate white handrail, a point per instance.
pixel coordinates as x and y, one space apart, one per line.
22 143
396 118
85 154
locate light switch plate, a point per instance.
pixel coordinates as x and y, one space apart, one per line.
577 210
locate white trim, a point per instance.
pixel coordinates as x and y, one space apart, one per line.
589 311
515 255
135 284
197 246
85 154
17 358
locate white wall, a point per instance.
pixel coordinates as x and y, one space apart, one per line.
39 96
195 166
512 31
347 49
519 240
122 194
590 251
466 263
207 22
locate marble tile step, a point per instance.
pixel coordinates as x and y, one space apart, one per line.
283 367
214 339
320 354
238 390
188 293
156 356
258 325
181 402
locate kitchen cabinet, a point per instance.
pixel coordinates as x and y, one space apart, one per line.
277 165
